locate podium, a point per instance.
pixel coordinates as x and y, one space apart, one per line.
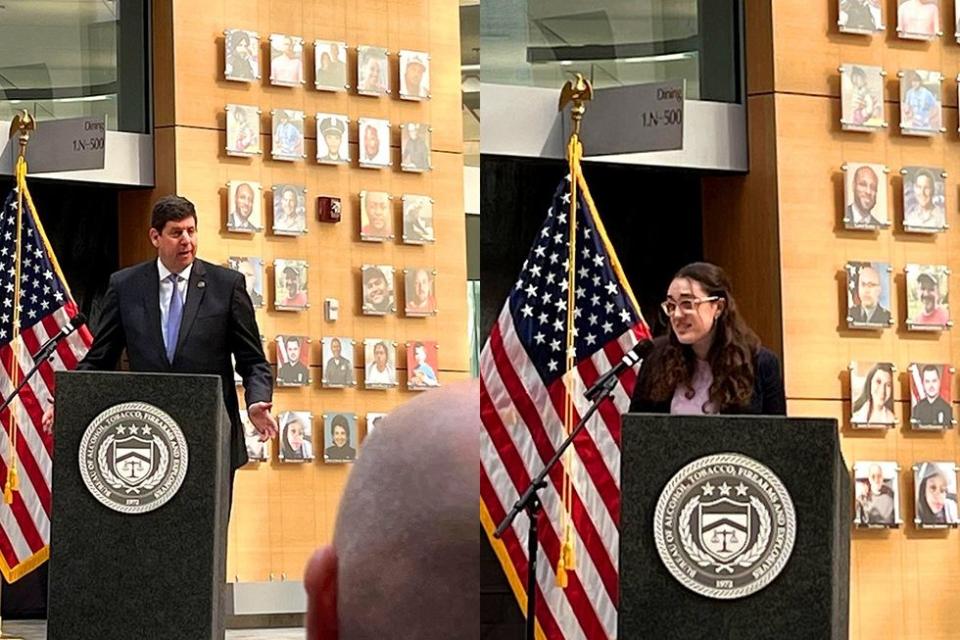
143 573
810 596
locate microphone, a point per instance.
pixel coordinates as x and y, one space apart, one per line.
46 350
605 382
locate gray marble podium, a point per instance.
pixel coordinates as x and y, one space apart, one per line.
809 599
158 574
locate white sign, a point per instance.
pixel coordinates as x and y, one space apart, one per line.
73 144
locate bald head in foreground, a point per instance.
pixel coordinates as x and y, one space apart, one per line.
404 558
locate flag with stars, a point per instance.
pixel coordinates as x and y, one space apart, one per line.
523 386
45 306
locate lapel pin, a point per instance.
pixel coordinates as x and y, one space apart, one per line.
201 284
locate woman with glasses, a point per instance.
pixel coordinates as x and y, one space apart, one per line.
711 362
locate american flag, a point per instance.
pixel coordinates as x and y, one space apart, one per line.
522 408
45 307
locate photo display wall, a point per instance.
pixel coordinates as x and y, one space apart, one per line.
332 364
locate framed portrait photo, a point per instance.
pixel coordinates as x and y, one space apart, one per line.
868 295
293 361
241 55
936 495
376 216
340 438
252 269
865 196
378 292
329 209
243 130
414 75
374 143
871 395
380 358
338 362
289 209
243 207
876 494
415 147
924 199
287 135
290 281
417 219
860 16
373 75
931 396
373 422
330 65
920 102
296 436
422 367
333 139
257 450
286 60
861 97
928 297
419 292
918 19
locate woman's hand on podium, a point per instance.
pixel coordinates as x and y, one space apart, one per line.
259 414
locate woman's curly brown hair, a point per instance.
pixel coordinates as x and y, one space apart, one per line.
731 355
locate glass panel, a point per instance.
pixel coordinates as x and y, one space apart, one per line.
70 58
543 43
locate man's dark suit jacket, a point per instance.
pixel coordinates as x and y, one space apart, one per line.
218 320
880 316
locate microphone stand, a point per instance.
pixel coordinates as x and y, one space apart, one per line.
529 501
46 352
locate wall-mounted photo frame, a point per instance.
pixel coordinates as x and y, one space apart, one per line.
329 209
374 142
871 395
286 60
252 269
876 494
861 97
931 396
863 17
373 423
415 147
257 450
376 216
422 365
868 295
928 297
378 291
243 207
920 102
373 74
293 361
338 362
290 282
289 209
935 495
924 199
296 436
241 55
380 360
330 65
287 135
918 19
417 219
414 75
340 438
243 130
865 196
419 292
333 138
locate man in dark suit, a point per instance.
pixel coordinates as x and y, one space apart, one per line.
196 330
869 311
931 409
859 213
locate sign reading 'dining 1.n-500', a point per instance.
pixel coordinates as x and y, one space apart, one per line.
725 526
633 119
71 144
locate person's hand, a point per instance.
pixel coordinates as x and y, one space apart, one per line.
259 414
47 420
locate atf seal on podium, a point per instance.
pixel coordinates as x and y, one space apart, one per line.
133 457
725 526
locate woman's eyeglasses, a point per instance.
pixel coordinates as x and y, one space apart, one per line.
687 305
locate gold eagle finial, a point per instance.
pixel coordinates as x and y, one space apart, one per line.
577 91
